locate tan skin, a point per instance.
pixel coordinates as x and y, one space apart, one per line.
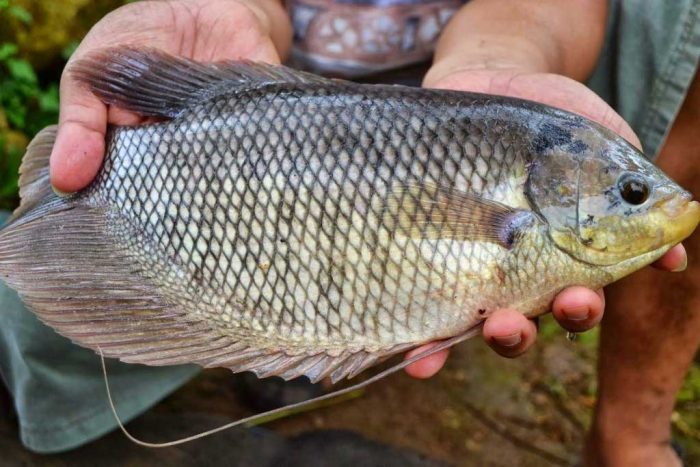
521 49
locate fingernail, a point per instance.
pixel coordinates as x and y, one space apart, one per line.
508 341
682 267
577 314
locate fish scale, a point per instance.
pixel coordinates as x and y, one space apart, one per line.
282 223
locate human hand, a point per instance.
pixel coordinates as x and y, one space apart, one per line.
513 66
206 30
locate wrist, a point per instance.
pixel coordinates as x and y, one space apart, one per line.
543 36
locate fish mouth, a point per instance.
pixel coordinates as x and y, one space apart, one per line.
683 216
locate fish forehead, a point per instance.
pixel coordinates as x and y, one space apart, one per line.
270 212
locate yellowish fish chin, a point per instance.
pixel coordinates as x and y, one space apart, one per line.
675 219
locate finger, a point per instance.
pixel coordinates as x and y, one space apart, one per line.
509 333
578 309
428 366
675 260
79 149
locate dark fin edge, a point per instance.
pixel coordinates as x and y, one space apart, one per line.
153 83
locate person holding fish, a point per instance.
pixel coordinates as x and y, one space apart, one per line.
540 51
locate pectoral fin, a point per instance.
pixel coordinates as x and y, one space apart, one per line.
436 212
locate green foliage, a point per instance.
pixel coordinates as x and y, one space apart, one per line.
26 106
9 165
16 11
69 49
690 392
21 94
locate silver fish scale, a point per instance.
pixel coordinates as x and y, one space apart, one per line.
270 214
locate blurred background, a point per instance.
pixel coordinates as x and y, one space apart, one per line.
481 410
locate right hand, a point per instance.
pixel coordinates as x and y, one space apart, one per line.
206 30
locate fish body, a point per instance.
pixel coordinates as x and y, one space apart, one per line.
291 225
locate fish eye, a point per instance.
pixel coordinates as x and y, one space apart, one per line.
634 189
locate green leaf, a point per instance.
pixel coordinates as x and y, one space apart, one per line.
16 115
21 69
7 50
4 4
9 166
69 49
691 386
48 99
21 14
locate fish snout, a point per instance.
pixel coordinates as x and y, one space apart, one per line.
682 216
678 205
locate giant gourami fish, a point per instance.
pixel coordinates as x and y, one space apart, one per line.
275 221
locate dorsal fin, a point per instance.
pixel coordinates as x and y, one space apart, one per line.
153 83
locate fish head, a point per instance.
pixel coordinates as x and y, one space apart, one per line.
604 202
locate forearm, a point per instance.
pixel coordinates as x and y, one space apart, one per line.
534 36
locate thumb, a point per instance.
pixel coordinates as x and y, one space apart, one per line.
80 142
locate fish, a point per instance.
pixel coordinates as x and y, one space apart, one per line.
275 221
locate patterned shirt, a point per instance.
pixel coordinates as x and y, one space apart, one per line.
355 38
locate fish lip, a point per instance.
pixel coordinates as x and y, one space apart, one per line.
684 219
678 205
